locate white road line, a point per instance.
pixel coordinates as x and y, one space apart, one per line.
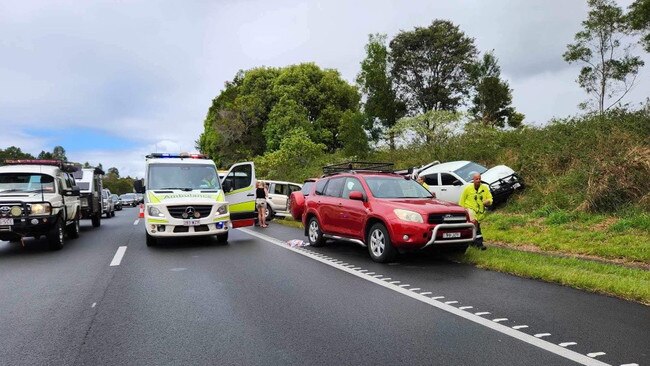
631 364
482 313
363 270
378 276
93 305
596 354
405 285
394 282
425 293
540 335
117 259
524 337
437 297
567 344
522 327
451 302
356 268
499 320
415 289
137 221
466 307
370 273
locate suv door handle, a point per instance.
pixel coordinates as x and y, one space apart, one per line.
250 194
444 189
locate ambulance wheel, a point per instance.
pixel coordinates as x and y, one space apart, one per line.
222 238
151 241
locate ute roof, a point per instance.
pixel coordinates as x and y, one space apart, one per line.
40 169
445 167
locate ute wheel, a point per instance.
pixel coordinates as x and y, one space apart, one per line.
269 213
314 233
113 213
73 229
379 246
222 238
97 219
55 236
151 241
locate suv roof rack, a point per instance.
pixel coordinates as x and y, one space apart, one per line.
358 166
65 166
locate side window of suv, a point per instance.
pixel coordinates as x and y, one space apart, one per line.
280 189
447 179
431 179
334 187
320 186
351 185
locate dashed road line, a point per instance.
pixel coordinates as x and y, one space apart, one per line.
541 335
596 354
93 305
437 297
117 259
425 293
567 344
415 289
482 313
137 221
451 302
521 327
499 320
465 307
588 359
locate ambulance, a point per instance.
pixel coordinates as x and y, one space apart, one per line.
184 197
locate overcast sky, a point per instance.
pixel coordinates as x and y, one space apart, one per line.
113 80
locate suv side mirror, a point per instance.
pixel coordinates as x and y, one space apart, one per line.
74 191
138 185
356 195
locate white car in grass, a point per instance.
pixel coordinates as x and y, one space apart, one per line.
447 180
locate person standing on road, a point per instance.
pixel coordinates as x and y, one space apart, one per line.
475 198
261 194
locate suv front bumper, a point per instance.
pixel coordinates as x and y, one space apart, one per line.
413 236
27 226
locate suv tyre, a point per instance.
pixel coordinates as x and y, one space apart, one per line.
73 229
379 246
97 219
314 233
55 235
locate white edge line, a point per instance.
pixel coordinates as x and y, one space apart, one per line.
117 259
524 337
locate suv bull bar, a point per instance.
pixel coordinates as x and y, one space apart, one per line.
439 227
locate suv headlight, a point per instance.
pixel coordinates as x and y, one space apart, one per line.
410 216
222 210
154 211
41 209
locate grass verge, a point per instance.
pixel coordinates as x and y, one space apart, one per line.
628 283
605 278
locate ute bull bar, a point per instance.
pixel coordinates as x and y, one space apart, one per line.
439 227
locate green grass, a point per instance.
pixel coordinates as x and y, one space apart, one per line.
289 222
628 283
609 237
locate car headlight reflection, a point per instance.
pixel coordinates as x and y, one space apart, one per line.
223 209
154 211
410 216
41 209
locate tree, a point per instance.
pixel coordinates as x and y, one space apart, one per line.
45 155
87 165
492 100
352 134
261 105
609 71
59 153
432 127
13 152
296 152
639 20
382 108
113 172
430 66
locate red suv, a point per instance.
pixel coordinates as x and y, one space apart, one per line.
386 212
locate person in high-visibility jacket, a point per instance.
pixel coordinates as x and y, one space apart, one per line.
475 198
426 186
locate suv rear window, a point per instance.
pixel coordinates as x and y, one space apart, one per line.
320 186
334 187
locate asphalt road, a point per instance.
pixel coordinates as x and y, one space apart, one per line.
255 301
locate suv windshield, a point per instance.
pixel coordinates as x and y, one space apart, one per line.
183 176
396 187
26 182
466 171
